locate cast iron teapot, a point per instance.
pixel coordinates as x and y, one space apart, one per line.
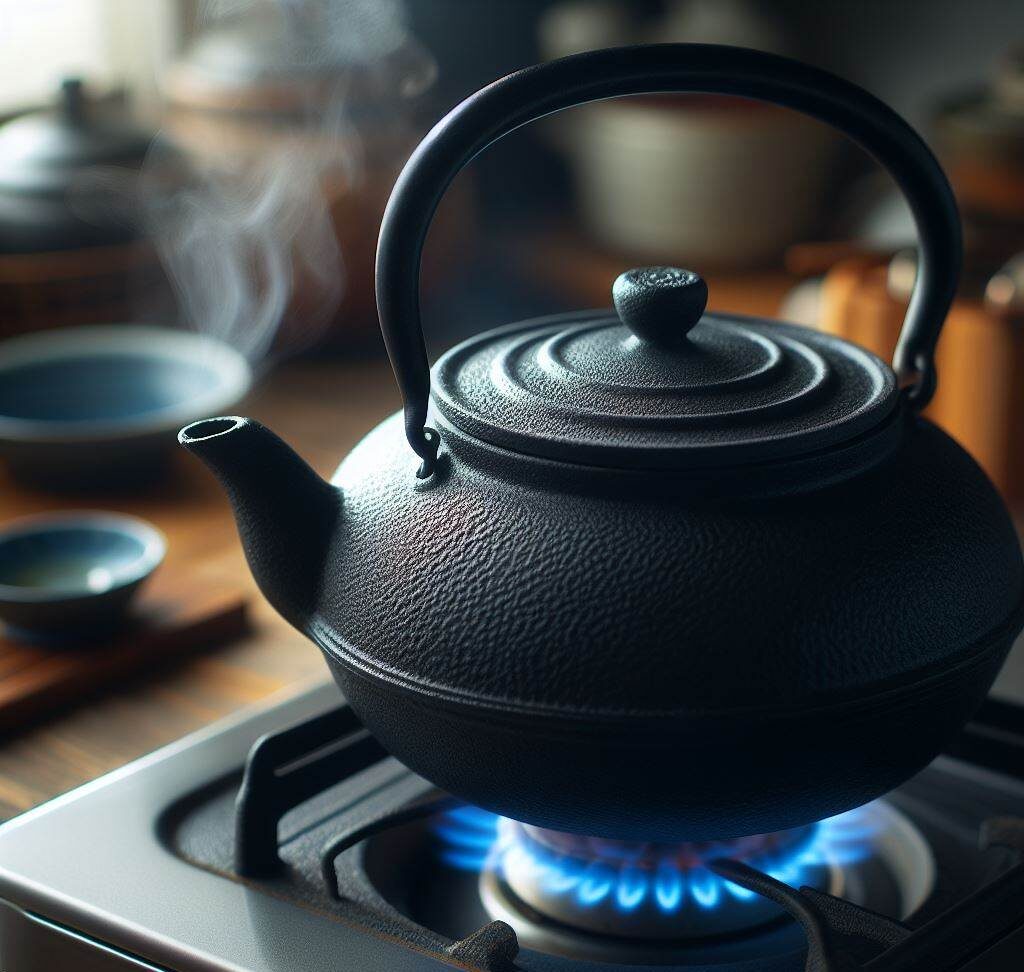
657 573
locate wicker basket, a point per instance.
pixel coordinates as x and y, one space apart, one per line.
95 285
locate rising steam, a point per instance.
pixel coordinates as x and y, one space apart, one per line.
234 240
244 229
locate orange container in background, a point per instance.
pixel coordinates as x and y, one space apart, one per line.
980 362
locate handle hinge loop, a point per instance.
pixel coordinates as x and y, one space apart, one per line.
430 442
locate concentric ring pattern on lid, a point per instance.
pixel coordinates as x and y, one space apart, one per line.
661 384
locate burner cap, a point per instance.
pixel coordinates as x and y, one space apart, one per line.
651 891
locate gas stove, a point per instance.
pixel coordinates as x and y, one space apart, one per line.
287 839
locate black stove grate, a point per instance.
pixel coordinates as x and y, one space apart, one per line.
286 768
945 944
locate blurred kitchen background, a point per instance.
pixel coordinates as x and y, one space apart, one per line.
221 166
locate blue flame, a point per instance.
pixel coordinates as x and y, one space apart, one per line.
476 840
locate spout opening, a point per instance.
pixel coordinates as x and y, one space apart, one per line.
209 428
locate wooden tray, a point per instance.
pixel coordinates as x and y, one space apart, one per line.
172 618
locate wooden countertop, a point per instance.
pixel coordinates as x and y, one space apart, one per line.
322 409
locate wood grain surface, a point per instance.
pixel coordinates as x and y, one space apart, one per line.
173 616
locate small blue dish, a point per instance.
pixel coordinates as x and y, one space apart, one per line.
99 406
70 576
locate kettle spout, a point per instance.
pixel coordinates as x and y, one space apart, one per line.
284 511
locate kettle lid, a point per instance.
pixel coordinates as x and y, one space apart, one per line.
662 384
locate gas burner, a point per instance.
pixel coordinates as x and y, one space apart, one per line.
654 890
289 839
572 895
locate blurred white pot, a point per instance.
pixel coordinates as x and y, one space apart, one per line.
710 182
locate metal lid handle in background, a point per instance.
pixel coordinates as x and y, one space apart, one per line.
534 92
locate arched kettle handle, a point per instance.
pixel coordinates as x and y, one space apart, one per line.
534 92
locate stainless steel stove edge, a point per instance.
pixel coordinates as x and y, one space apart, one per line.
89 867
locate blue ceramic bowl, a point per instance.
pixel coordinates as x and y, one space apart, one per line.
98 406
70 576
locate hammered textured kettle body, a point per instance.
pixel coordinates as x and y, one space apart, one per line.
652 574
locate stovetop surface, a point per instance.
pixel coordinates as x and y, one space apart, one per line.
146 861
96 861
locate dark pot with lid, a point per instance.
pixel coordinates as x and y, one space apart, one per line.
43 158
656 573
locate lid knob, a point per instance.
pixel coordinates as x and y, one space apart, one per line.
660 305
